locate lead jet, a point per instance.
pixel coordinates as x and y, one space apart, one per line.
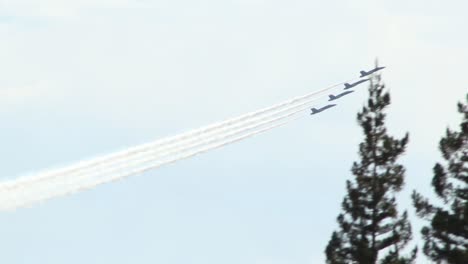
334 97
364 73
351 85
316 111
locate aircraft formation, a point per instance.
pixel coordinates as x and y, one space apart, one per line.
347 86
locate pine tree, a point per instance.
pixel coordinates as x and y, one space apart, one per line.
370 223
446 238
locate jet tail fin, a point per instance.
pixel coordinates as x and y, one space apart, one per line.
347 85
332 97
314 111
363 73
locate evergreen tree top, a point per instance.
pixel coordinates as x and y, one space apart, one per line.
370 223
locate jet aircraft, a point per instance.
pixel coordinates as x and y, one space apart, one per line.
351 85
334 97
364 73
316 111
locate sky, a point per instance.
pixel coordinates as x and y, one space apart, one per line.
85 78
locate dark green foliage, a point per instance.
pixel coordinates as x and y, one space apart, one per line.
370 223
446 238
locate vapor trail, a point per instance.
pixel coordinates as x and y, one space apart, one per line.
95 182
158 152
66 185
29 190
142 148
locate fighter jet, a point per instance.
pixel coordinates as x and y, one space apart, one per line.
364 73
316 111
351 85
334 97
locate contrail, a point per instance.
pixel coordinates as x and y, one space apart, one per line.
29 190
142 148
66 186
156 152
96 182
165 143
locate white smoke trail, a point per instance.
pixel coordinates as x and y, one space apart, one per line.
141 150
66 186
145 147
157 152
15 193
96 182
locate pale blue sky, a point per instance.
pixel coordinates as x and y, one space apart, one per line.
83 78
